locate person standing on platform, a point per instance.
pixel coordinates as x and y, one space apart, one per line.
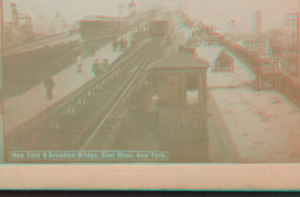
49 84
122 44
79 64
105 64
116 45
95 68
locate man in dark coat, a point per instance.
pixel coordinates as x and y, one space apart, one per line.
122 44
49 84
95 68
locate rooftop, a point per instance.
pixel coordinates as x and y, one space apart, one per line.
267 57
181 59
93 18
161 17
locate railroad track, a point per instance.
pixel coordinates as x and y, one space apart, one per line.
114 118
289 89
86 120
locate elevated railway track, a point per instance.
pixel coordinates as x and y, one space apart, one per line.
89 118
49 55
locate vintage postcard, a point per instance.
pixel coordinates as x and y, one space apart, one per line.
183 94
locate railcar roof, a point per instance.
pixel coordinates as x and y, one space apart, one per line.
180 60
160 18
222 58
224 55
267 57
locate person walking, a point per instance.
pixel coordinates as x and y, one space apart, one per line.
105 64
79 64
116 45
49 84
95 68
122 44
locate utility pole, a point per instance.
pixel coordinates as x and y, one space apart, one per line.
295 23
231 28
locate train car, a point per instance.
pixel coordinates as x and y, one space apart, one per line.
209 39
175 105
267 73
223 62
158 26
97 26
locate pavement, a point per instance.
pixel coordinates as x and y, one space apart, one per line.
263 126
24 107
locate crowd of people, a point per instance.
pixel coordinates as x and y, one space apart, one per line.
119 45
98 68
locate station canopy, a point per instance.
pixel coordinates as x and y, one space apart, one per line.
180 60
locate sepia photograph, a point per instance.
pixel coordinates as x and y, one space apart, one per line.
150 82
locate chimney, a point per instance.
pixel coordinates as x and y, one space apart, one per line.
256 23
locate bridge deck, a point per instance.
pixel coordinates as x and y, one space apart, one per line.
49 41
264 126
32 102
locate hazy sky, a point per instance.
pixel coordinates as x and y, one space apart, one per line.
219 12
214 12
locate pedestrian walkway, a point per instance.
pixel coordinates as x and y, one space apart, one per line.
26 106
295 80
263 126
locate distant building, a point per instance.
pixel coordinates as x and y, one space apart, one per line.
121 11
18 29
58 25
255 45
40 25
256 29
131 8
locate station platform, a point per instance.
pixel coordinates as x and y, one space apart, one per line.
263 126
28 105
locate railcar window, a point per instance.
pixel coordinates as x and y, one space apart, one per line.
169 93
192 95
163 93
